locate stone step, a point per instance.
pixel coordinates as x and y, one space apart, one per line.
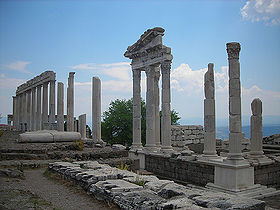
260 193
19 150
268 151
269 146
23 164
22 156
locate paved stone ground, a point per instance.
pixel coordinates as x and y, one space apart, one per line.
38 192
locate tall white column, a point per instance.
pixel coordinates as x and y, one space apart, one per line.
165 104
33 109
60 106
137 144
209 114
38 110
18 116
52 104
24 111
82 126
45 106
157 115
70 102
96 108
235 134
150 108
14 112
28 110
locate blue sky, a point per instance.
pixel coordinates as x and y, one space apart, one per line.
90 38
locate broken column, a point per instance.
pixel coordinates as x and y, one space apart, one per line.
70 102
165 107
45 107
209 114
60 106
136 144
235 135
82 126
96 108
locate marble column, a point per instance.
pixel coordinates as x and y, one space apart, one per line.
96 108
150 108
137 144
28 110
45 107
157 114
70 102
24 110
33 109
235 134
38 110
165 104
21 112
52 104
256 129
209 114
14 112
82 126
18 119
60 106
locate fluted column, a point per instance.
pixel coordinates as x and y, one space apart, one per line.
33 109
45 107
165 104
70 102
38 110
60 106
52 104
209 114
96 108
150 108
235 134
14 112
157 115
28 110
136 144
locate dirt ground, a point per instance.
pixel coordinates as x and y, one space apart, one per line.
38 191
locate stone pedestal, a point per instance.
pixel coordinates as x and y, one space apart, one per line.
82 126
96 108
60 106
70 102
136 144
165 108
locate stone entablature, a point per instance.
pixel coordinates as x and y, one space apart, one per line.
46 76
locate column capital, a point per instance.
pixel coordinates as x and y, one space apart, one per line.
166 66
71 74
233 49
150 70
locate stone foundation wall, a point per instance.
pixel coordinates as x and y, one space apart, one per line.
268 175
180 170
191 171
182 135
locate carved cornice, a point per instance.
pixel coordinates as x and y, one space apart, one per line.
233 49
46 76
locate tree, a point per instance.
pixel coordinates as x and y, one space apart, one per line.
117 123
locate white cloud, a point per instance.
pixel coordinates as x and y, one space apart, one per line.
18 66
267 11
120 70
9 83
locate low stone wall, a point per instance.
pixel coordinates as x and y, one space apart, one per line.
188 170
182 135
131 191
268 175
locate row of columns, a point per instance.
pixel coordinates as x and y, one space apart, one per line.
152 107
